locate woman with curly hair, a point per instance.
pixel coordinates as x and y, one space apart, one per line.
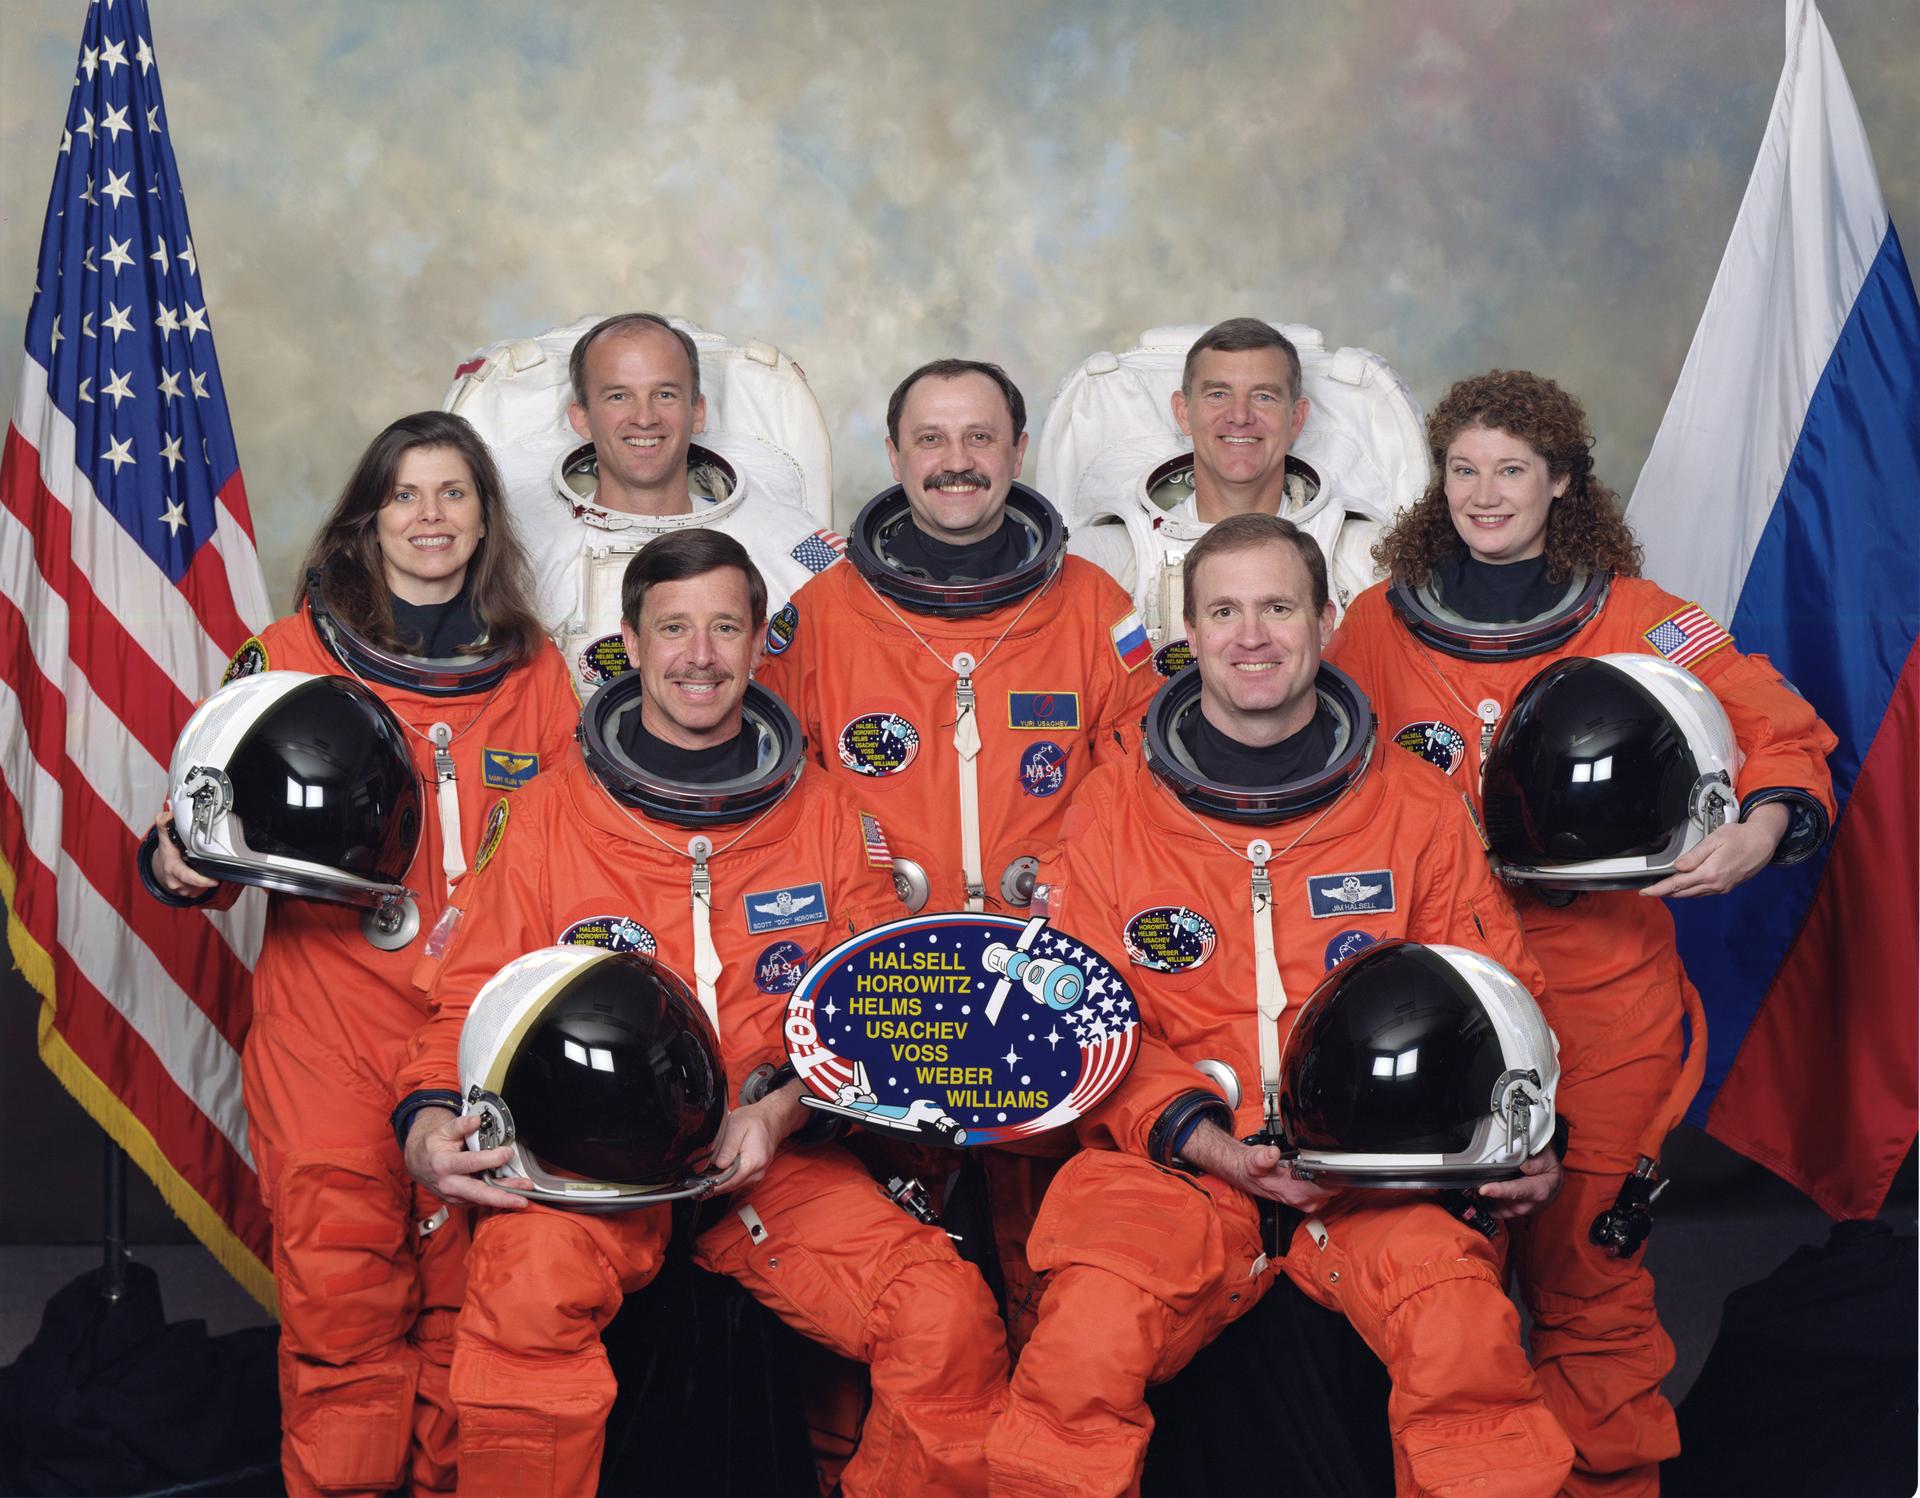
1514 558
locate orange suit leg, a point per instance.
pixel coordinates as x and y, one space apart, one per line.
1427 1293
1145 1266
818 1243
1597 1340
530 1379
346 1267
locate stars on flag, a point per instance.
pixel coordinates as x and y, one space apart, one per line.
118 387
116 187
117 253
119 453
117 321
174 516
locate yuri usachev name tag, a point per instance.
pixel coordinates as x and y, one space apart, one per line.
962 1029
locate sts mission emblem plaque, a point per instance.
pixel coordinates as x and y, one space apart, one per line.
962 1029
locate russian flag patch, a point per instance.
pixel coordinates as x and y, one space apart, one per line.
1130 641
1687 636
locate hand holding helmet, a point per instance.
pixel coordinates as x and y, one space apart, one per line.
1729 855
439 1158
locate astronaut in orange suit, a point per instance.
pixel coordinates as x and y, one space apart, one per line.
1516 558
695 832
1263 837
369 1270
962 678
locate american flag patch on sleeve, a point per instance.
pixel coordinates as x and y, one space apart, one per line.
1687 636
879 856
819 551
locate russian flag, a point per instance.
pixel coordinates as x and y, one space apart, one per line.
1783 493
1130 641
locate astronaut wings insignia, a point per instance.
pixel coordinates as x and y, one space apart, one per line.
777 909
1363 892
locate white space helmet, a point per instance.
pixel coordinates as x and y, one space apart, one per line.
1606 771
600 1070
1418 1067
302 784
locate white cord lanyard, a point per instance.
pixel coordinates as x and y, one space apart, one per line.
1488 712
966 741
706 956
453 858
1270 993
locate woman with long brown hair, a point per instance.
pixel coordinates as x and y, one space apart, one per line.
416 587
1516 558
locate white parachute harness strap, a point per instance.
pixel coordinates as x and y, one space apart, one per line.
700 849
750 1220
1170 597
966 739
428 1226
706 957
453 860
966 744
1270 994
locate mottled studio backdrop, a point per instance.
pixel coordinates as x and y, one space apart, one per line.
376 189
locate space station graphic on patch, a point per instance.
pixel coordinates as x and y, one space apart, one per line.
962 1029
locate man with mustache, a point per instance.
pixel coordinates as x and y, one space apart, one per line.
637 402
964 675
691 829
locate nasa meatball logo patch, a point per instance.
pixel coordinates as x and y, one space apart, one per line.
604 659
1173 657
879 744
1368 892
778 968
1169 938
617 933
1438 744
781 629
1345 943
1043 768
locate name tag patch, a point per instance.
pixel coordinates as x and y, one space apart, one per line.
508 769
1049 710
1368 892
777 909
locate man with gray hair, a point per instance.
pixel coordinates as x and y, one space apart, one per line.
1242 402
639 474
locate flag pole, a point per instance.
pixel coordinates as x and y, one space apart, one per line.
113 1278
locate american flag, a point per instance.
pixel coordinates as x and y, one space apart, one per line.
127 576
1686 636
820 551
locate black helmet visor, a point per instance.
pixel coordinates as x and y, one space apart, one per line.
1587 766
1393 1054
325 777
619 1079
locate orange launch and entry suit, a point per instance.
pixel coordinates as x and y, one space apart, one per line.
367 1300
1147 1263
816 1240
898 705
1614 997
1055 688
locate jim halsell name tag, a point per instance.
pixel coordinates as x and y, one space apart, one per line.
962 1029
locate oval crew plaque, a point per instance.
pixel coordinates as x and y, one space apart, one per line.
962 1029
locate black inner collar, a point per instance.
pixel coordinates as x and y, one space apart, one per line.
435 631
1496 592
1221 757
736 759
913 550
